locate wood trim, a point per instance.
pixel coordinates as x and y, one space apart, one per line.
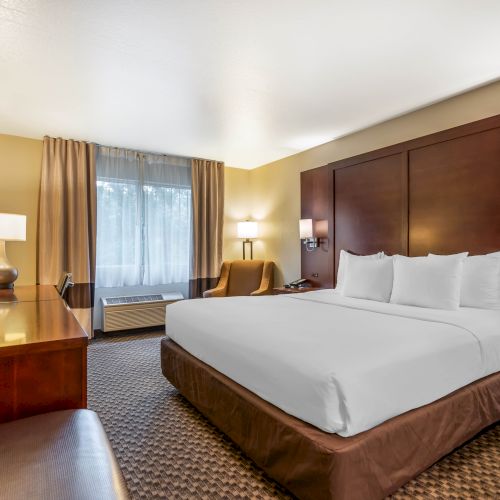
420 142
332 212
405 213
44 346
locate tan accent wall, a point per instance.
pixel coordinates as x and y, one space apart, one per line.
275 188
20 166
269 194
237 207
20 169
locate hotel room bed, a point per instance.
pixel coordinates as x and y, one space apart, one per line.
344 399
341 364
337 397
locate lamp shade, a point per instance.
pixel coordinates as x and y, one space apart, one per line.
247 229
12 227
306 228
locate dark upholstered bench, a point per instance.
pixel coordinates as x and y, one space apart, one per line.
60 455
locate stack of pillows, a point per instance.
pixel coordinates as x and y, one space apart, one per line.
436 281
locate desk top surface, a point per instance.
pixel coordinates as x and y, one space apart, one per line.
34 316
34 293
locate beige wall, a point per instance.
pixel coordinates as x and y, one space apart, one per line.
237 205
275 188
269 194
20 166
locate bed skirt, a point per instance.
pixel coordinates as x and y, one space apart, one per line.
313 464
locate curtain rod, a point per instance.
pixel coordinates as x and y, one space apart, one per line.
140 151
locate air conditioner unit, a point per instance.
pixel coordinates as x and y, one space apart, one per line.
136 311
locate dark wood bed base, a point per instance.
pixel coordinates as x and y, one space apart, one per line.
317 465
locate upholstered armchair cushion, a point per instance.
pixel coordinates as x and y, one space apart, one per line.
58 456
244 277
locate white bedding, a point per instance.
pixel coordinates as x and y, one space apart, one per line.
344 365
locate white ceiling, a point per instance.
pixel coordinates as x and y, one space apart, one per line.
246 82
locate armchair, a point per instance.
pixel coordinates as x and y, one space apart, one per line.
244 277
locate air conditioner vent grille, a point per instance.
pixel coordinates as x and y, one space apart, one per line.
136 299
136 311
134 318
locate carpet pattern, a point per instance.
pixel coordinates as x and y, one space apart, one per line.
166 449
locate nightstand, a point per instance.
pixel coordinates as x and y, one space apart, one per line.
282 290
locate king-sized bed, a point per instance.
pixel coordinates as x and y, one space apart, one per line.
337 397
344 398
341 364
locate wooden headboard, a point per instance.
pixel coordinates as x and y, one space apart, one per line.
439 193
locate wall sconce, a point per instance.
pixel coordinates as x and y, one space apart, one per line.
306 230
12 228
246 230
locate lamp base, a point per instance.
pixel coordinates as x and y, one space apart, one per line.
8 273
250 242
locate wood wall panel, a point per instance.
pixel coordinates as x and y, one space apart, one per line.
317 204
370 207
438 193
455 195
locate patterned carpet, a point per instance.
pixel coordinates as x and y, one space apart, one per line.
166 449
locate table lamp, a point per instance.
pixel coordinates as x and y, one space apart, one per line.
12 228
246 230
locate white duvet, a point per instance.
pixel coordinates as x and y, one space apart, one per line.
344 365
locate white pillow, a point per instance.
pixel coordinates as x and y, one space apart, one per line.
461 255
480 281
427 282
368 278
343 266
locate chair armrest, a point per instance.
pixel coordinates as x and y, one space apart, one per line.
267 282
218 291
221 289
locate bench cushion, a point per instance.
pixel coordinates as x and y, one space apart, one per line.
59 455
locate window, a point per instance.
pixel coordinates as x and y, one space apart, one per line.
143 218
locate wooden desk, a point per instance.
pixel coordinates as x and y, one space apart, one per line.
43 354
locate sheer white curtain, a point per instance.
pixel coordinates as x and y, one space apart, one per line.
143 218
167 219
118 242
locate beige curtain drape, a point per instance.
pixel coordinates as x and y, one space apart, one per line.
67 220
208 218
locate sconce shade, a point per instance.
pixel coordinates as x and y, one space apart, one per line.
306 228
247 229
12 227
